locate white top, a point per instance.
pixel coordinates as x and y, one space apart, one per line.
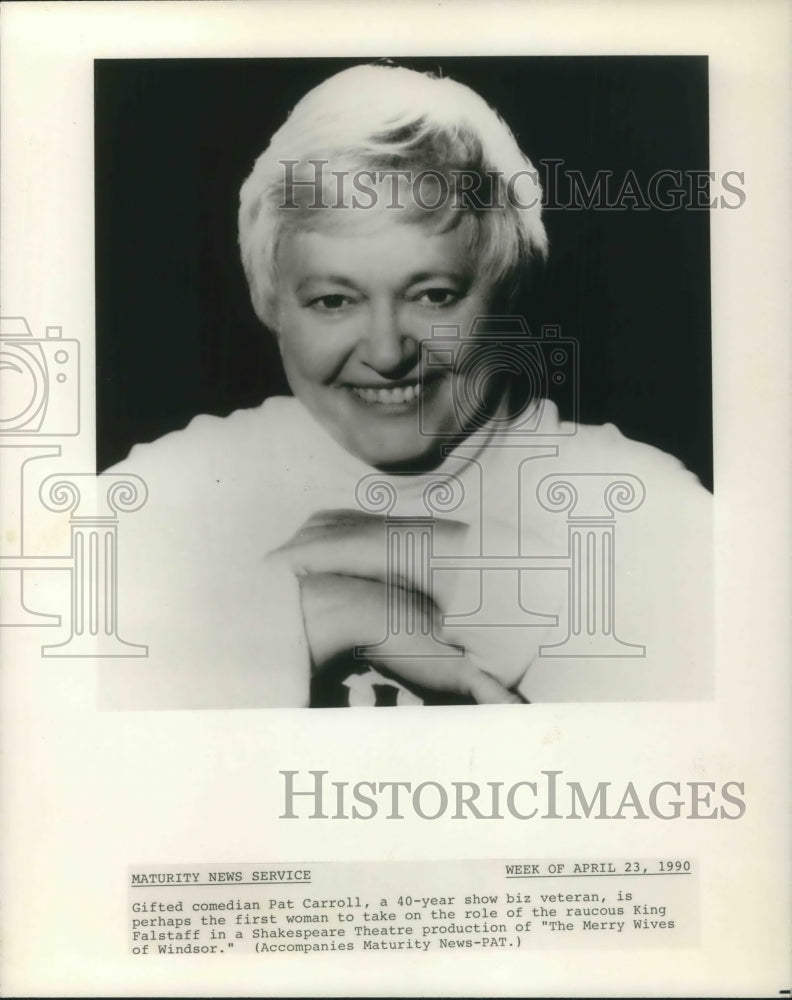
223 623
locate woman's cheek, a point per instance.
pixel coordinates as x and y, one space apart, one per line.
313 350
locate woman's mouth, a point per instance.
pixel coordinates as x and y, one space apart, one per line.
400 395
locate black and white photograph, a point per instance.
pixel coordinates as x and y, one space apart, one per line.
318 323
394 477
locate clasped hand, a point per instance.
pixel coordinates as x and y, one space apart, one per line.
340 559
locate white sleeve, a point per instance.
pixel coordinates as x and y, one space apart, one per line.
662 598
657 588
222 623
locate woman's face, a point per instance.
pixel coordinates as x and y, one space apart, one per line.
353 311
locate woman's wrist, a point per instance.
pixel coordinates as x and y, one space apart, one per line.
338 614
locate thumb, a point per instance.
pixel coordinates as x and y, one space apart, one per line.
485 690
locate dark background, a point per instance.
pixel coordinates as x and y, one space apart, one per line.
177 335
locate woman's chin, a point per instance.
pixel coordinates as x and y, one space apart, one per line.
398 456
403 442
396 431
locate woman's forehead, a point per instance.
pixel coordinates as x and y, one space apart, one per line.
392 254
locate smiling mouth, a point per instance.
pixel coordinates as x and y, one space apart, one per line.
398 395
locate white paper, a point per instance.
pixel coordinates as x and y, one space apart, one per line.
92 796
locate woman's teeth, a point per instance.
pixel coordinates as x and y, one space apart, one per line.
400 394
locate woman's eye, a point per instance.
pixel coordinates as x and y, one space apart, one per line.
330 303
438 297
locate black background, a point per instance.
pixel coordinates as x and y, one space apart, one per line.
177 335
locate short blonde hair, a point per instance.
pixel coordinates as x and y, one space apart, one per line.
386 118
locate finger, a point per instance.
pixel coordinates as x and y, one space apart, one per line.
318 551
347 543
451 676
342 516
345 519
485 690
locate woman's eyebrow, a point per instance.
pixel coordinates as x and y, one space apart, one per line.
453 275
331 279
417 277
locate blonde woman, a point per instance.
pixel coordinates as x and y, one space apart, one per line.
386 234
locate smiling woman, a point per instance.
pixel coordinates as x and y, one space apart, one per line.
353 311
352 286
312 555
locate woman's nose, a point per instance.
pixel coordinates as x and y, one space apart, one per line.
389 347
